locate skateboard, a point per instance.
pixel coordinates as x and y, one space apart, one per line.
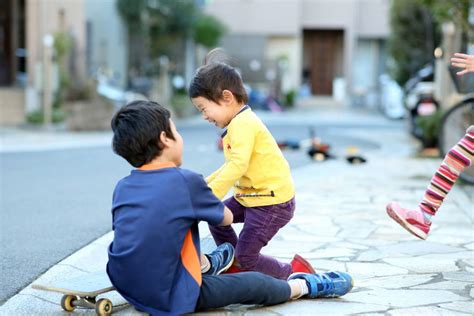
82 291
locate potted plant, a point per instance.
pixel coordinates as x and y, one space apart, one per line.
429 126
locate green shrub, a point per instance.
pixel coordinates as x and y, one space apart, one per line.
208 30
430 126
290 97
37 116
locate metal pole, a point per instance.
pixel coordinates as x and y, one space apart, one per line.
48 41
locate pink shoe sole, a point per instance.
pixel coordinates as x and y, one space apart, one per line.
409 227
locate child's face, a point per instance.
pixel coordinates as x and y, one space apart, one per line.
176 146
219 114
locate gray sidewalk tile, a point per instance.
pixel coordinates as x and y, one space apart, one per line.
404 298
465 307
430 310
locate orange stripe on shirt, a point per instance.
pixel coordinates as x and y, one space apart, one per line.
190 258
156 166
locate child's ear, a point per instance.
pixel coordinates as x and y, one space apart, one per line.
164 140
227 96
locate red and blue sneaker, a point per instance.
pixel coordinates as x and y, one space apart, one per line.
328 284
220 259
412 220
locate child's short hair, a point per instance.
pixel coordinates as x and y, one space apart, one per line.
137 128
212 79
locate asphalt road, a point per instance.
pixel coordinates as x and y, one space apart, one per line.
55 202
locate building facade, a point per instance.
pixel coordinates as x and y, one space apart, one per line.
24 25
327 45
12 61
98 43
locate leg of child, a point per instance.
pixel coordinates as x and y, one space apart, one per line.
242 288
418 221
259 289
222 234
454 163
261 224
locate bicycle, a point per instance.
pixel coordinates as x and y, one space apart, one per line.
457 119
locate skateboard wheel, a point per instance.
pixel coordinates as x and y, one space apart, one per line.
103 307
67 302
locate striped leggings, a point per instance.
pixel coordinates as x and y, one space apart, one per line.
455 161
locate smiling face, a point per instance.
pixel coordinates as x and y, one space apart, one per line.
211 111
219 114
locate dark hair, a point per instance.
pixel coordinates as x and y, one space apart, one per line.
137 128
214 77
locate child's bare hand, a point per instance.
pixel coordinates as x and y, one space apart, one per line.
463 61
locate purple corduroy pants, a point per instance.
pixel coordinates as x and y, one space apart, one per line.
261 223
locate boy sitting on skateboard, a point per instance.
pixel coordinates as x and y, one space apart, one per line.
154 259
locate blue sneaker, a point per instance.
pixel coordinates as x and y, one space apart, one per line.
221 259
329 284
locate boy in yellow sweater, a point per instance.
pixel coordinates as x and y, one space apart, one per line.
254 166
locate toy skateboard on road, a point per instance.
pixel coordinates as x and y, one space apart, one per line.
82 291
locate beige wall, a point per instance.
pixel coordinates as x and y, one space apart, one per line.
367 18
327 14
291 48
278 17
43 17
372 19
12 110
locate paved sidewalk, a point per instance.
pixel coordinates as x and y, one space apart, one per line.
37 138
341 224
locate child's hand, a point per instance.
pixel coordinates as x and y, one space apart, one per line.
463 61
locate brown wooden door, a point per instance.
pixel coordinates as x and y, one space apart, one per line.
322 49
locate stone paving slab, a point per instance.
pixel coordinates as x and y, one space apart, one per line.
431 310
341 224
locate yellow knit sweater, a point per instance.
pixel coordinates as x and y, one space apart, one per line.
254 165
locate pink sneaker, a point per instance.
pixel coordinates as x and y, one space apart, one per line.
411 220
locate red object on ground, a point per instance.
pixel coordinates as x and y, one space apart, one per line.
299 264
234 269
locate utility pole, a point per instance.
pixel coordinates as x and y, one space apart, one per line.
48 41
